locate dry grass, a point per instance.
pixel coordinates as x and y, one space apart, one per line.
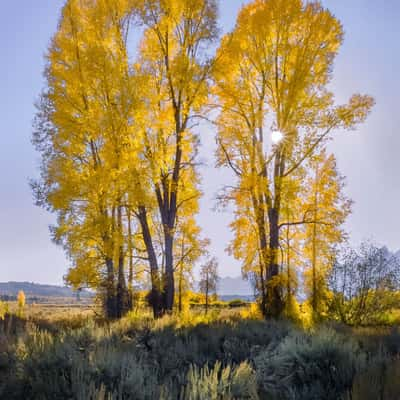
56 351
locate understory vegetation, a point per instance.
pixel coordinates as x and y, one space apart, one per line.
218 356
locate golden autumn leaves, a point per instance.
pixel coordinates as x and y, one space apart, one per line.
272 75
119 147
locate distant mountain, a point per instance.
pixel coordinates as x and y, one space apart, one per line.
229 286
37 290
230 297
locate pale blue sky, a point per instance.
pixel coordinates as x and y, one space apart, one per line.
369 62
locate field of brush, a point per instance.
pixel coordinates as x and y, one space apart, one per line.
56 352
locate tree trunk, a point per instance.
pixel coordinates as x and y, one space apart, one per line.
122 291
289 283
180 285
169 212
263 264
169 288
110 299
130 255
207 295
155 298
315 295
275 304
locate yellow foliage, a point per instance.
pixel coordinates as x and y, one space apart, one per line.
21 302
306 315
3 309
272 73
293 310
21 299
252 312
119 149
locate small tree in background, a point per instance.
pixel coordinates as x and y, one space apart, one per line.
365 283
21 302
327 208
209 279
3 309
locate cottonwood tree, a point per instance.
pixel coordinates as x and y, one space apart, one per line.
292 239
209 279
21 300
328 208
174 65
83 131
116 138
272 75
189 248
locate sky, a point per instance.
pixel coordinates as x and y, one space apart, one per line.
369 62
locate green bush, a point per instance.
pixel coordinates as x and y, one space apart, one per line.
381 380
309 366
237 303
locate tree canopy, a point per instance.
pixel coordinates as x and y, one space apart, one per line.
117 133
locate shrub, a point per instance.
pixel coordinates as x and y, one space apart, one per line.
237 303
292 311
252 312
168 359
220 383
381 380
308 366
121 373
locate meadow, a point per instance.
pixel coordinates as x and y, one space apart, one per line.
230 353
